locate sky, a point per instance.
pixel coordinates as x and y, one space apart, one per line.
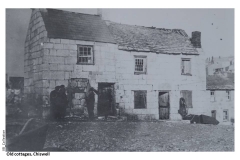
216 27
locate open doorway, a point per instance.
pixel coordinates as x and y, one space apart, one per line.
164 105
214 113
106 100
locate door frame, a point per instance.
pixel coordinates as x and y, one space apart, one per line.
113 96
166 91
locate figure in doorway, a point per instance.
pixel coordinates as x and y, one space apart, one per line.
90 101
53 103
182 107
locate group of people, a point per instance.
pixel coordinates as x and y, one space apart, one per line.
59 102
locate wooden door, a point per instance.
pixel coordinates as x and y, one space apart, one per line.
105 99
164 105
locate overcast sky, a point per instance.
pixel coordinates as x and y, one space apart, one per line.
216 26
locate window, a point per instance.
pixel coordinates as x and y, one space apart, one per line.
228 95
225 115
140 99
212 93
187 95
186 66
140 64
85 55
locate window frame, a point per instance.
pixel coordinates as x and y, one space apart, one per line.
182 64
227 119
212 96
228 92
78 54
135 101
190 91
144 64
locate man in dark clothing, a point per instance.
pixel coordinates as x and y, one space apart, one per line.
62 102
53 107
90 100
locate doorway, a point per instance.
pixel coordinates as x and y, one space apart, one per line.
164 105
214 112
106 99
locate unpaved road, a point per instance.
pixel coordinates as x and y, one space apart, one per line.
140 136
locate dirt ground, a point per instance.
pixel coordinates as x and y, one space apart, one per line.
139 136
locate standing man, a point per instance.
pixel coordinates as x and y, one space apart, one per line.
62 102
53 105
90 100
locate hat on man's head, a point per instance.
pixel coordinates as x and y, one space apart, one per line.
62 86
57 87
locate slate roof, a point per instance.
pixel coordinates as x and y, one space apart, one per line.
76 26
215 82
150 39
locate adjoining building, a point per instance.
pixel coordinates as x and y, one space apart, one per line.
221 98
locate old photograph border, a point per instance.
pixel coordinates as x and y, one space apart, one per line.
105 4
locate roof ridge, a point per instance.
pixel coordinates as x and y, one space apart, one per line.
72 12
178 31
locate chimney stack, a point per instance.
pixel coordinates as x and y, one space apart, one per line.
196 39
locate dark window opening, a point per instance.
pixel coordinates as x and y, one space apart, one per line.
140 99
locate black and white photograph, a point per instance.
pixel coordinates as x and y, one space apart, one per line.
119 80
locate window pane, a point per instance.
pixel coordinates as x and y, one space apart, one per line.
85 49
81 49
89 51
89 60
139 64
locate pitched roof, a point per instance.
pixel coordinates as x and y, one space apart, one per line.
150 39
76 26
215 82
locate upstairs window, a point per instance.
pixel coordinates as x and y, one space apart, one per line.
186 66
140 65
212 98
140 99
228 94
85 55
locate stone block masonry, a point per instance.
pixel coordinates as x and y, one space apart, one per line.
51 62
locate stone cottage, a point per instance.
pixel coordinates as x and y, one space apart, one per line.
220 98
144 69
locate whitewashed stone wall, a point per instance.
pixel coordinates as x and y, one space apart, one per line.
163 74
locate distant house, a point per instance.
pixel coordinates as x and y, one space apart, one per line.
142 70
221 98
220 65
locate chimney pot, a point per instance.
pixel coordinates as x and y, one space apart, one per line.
196 39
